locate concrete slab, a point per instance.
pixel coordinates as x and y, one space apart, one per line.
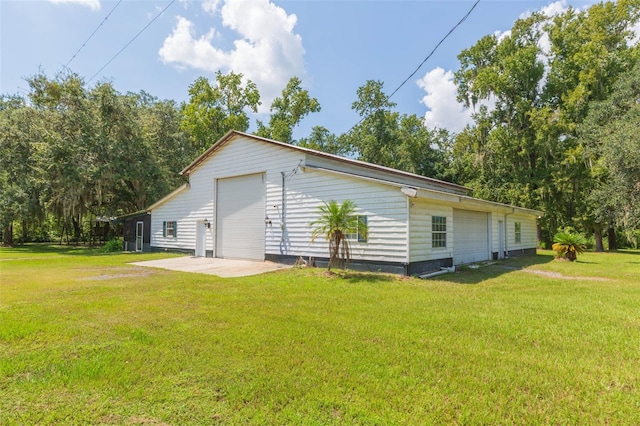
225 268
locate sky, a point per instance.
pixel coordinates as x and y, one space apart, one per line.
334 46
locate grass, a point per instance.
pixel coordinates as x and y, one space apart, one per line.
86 338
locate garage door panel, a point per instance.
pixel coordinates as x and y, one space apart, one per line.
470 236
240 217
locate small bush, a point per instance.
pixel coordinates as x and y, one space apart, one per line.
113 246
568 245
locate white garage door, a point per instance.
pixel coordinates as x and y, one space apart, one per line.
470 237
240 217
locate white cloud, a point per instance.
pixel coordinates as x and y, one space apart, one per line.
211 6
93 4
444 110
267 51
550 10
554 9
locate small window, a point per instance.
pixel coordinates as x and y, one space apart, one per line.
358 234
438 231
518 232
170 229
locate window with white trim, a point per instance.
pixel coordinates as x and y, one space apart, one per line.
438 231
518 232
170 229
358 234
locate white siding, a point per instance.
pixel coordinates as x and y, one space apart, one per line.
421 211
176 209
289 230
238 157
528 228
384 206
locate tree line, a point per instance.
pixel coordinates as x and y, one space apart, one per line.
556 102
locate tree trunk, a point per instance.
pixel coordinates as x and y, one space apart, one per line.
598 236
613 243
539 235
7 235
76 229
25 232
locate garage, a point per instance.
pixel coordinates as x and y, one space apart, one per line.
240 211
470 237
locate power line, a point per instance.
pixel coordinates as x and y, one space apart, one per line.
464 18
92 34
132 40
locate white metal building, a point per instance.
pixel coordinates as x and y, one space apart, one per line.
254 198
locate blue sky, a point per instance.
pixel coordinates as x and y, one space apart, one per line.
334 46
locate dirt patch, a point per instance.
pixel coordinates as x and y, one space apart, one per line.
558 275
117 273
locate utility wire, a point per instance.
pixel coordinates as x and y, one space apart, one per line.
92 34
464 18
132 40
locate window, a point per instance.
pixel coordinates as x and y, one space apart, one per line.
358 234
170 229
438 231
518 232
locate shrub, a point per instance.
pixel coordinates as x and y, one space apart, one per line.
568 245
112 246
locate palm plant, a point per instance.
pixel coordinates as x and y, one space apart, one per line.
335 223
569 245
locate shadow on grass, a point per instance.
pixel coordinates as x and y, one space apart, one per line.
369 277
64 249
467 275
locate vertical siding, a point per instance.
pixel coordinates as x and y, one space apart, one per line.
420 213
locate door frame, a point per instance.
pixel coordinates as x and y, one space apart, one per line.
201 239
139 236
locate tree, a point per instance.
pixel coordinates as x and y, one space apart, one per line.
212 111
387 138
21 175
541 79
334 224
610 135
287 111
74 153
321 139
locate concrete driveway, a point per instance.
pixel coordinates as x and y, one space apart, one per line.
225 268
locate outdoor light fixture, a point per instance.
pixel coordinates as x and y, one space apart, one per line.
206 223
409 192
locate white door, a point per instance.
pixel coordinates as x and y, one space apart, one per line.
240 212
200 239
500 239
470 236
139 236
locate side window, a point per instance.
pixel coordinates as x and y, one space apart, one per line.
357 234
518 232
170 229
438 231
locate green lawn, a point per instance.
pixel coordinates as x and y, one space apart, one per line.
86 338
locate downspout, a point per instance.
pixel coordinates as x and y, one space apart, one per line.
283 221
408 260
409 192
506 234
